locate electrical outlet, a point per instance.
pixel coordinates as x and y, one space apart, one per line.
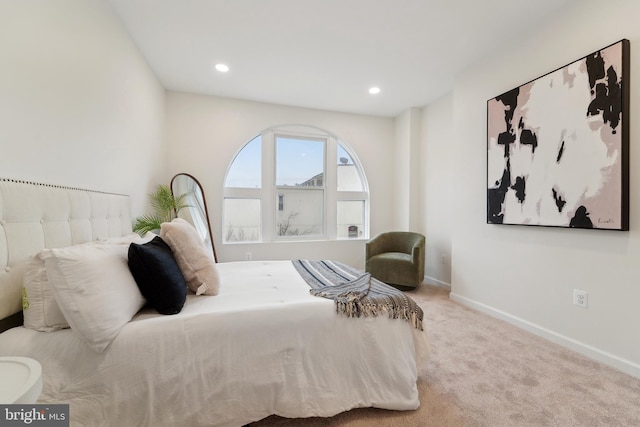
580 298
248 256
443 259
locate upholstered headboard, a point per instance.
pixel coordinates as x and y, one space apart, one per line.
36 216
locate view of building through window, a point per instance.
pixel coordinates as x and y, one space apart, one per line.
306 170
300 164
242 220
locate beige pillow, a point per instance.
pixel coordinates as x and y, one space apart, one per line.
194 259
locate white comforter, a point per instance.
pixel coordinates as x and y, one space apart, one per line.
263 346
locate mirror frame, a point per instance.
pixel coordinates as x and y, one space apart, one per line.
206 210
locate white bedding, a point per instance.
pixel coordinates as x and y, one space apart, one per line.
263 346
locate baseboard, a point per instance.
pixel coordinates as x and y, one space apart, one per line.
436 282
609 359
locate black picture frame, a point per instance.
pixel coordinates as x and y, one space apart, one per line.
558 146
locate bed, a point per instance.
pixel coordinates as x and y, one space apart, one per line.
264 345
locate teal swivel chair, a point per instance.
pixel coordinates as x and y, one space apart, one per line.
397 258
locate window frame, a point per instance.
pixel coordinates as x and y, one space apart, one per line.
268 192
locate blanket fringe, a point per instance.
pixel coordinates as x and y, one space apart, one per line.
356 308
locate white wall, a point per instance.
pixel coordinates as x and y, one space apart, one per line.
204 133
407 177
402 177
437 192
78 104
527 274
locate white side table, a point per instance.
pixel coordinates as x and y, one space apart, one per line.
21 380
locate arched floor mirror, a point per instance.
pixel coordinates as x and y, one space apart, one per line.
196 212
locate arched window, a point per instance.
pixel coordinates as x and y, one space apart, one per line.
292 183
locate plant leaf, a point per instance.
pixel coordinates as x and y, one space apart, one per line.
163 202
146 223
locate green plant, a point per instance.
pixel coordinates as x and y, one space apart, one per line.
165 207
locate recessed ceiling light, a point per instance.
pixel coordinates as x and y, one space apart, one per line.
374 90
223 68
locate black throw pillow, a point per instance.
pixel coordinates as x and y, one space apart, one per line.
158 276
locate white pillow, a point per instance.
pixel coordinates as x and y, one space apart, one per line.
94 290
194 259
129 238
39 307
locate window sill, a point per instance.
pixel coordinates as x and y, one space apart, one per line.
311 240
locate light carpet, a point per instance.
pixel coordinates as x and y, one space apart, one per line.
486 372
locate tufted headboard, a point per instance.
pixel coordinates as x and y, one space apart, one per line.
36 216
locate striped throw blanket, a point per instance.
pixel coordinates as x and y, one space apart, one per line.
357 294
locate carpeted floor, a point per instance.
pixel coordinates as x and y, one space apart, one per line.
485 372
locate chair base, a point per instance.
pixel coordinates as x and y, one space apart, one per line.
402 287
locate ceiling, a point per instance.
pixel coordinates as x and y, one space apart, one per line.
325 54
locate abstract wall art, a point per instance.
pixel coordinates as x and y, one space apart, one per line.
557 147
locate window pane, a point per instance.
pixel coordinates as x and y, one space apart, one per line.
348 176
350 219
241 220
246 169
301 213
299 162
